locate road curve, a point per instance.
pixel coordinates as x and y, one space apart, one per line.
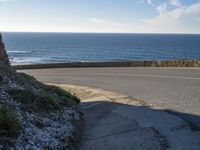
176 88
114 122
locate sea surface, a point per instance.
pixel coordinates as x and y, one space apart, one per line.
41 48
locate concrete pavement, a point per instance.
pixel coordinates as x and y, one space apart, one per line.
114 122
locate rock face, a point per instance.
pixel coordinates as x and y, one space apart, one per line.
3 54
34 115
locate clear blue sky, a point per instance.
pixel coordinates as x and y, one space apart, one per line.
132 16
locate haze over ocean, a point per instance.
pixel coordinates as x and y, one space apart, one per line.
40 48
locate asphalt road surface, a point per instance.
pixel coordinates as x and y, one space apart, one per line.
176 88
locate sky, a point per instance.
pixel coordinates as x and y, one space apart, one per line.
112 16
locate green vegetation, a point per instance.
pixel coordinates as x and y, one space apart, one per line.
29 77
61 93
9 125
43 98
51 90
42 102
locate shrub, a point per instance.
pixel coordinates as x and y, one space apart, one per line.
22 96
46 102
35 102
9 125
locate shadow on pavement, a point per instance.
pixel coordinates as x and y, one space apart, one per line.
116 126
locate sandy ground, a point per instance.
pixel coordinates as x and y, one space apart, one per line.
114 121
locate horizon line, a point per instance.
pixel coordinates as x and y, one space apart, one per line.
99 32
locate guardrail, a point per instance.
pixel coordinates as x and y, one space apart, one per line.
167 63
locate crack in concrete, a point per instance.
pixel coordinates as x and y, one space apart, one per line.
162 139
109 135
193 126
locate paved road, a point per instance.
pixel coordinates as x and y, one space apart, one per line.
177 88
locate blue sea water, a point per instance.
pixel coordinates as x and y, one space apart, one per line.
40 48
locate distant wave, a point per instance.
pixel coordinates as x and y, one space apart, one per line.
25 60
19 52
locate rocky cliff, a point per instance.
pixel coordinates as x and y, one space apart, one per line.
3 54
34 115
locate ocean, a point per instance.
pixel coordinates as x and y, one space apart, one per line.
42 48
